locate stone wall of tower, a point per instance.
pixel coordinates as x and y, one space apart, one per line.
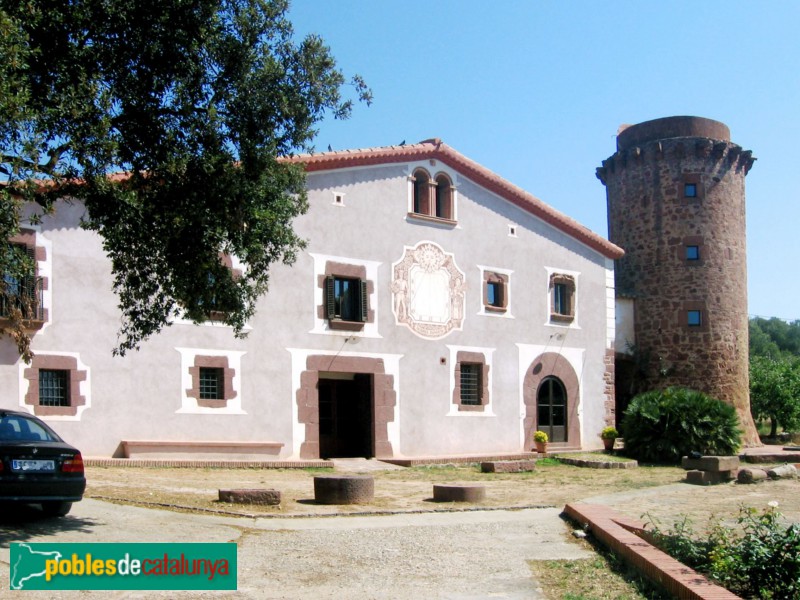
676 190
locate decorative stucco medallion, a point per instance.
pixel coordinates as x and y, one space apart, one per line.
428 291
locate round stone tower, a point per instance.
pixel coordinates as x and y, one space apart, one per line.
676 205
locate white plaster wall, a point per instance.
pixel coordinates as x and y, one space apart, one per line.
142 396
626 336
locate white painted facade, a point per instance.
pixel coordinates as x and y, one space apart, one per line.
426 292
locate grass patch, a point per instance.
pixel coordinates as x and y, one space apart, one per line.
601 577
596 457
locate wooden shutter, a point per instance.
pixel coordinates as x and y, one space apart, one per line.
364 301
330 298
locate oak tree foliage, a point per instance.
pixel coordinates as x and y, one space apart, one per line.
165 118
775 373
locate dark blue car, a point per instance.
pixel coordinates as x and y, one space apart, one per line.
37 466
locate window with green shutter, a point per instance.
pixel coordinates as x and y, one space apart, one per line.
346 299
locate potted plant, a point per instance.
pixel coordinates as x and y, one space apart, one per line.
609 435
540 440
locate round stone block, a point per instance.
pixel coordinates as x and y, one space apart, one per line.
453 492
268 497
344 489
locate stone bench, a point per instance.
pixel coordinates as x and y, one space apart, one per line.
267 497
173 449
458 492
344 489
508 466
708 470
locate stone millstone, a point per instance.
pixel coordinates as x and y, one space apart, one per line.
268 497
344 489
458 493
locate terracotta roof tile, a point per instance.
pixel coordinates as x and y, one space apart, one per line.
436 149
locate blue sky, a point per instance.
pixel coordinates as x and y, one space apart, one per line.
535 91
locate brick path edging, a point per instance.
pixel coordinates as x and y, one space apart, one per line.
618 533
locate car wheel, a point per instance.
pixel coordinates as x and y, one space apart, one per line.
56 509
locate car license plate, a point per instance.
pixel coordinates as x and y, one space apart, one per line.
41 466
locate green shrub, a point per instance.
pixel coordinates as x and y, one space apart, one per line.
662 426
760 561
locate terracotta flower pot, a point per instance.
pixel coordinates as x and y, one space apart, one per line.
609 444
541 448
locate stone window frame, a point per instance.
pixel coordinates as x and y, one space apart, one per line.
227 261
75 376
38 253
215 318
384 398
501 281
432 198
471 358
211 362
696 180
570 283
692 306
497 276
692 241
346 271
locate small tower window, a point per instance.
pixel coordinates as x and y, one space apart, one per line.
692 252
691 186
694 318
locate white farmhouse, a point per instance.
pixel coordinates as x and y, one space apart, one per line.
438 311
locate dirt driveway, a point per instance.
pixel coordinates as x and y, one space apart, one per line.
402 547
657 491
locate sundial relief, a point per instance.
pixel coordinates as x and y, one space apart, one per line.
428 291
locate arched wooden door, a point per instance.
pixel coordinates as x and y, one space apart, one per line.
551 409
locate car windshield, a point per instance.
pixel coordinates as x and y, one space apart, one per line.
21 428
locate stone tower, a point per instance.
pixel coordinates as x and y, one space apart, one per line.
676 205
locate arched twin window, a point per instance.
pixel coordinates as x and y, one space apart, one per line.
433 197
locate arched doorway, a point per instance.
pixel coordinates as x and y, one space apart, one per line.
552 379
551 409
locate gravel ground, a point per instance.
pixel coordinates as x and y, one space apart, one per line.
415 553
455 555
466 555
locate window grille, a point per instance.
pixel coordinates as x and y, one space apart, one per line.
211 383
471 385
53 387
